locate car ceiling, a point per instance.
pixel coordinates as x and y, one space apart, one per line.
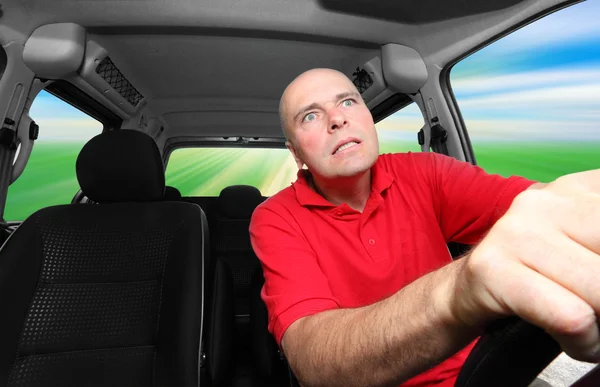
201 63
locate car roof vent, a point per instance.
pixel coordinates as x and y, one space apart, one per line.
111 74
362 80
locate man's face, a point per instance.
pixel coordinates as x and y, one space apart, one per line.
330 128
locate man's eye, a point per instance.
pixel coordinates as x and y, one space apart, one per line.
309 117
348 103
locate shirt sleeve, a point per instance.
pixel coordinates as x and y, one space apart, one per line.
469 200
295 286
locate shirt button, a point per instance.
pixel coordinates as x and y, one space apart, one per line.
372 242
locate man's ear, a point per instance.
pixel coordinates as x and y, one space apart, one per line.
297 158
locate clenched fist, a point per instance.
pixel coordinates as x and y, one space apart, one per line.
541 261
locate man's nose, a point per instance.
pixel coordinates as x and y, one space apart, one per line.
337 119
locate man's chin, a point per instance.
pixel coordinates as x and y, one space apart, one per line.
351 168
347 171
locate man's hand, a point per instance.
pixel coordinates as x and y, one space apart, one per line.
541 261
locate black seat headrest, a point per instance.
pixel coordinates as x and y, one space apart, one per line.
172 194
239 201
121 166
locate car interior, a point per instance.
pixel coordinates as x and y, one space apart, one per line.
134 283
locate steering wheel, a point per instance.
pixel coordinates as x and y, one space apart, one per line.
513 353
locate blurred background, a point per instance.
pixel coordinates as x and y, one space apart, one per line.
530 101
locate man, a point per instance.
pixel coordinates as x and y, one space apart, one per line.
359 285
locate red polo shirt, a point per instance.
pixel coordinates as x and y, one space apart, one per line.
317 256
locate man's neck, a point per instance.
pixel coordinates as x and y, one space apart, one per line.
354 191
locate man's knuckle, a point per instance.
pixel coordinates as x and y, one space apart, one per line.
532 199
516 231
575 323
512 225
564 180
485 263
525 198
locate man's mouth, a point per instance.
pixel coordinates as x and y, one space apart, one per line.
345 146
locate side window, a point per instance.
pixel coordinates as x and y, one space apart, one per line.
531 101
398 132
49 177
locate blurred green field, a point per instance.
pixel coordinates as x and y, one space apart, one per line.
206 171
537 161
49 178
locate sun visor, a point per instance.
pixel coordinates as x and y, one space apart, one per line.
403 68
55 51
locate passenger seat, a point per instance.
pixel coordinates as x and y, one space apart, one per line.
231 239
232 249
269 363
109 294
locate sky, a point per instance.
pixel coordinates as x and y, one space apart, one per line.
541 81
60 121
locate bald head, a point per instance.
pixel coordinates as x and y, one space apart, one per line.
303 84
321 112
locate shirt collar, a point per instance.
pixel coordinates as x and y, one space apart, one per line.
380 181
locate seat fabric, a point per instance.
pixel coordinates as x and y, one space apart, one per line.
231 240
108 294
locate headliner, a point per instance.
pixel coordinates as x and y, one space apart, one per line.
202 56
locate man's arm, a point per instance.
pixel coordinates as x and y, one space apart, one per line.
381 344
468 201
541 261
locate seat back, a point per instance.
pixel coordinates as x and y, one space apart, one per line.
231 240
270 365
265 351
172 194
219 331
110 294
234 258
219 365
